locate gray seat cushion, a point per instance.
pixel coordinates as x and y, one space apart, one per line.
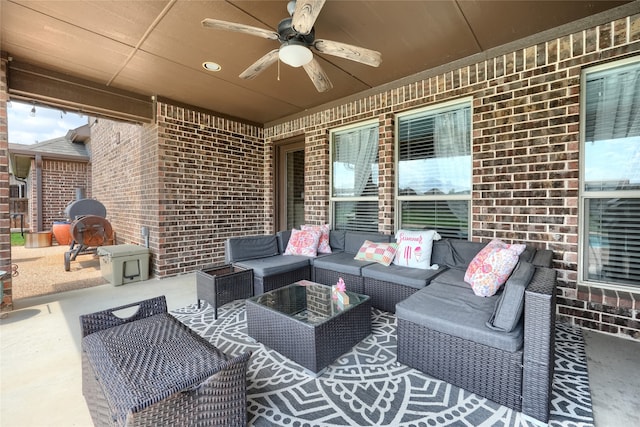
269 266
452 277
457 311
413 277
341 262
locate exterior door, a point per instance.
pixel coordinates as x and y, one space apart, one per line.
289 185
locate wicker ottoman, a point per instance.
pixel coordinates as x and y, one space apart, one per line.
150 370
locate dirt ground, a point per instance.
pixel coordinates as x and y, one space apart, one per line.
41 271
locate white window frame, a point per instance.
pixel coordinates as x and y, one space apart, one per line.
332 199
583 229
462 102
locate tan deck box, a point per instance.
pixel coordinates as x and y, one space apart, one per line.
122 264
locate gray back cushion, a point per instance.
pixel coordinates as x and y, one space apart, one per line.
336 240
458 253
528 254
455 253
354 240
283 240
250 247
509 306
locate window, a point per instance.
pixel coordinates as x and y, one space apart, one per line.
434 169
610 175
354 178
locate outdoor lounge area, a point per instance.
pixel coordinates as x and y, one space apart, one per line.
41 373
468 168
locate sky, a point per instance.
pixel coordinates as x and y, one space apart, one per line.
47 124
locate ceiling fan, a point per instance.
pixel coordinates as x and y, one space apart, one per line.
297 36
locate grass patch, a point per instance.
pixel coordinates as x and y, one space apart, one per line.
17 239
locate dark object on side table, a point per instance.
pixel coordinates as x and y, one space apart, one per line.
149 369
222 284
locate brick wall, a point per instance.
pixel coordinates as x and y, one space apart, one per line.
59 182
5 230
193 179
212 186
525 153
124 177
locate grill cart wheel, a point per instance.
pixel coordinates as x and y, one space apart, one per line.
91 230
88 231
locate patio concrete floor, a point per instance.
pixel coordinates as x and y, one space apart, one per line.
40 372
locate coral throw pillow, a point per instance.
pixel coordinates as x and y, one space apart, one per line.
414 248
303 242
382 253
323 246
491 267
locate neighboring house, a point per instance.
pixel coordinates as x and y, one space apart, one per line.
45 178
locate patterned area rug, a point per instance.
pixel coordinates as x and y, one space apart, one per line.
367 387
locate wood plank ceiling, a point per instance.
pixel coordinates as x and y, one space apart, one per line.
157 47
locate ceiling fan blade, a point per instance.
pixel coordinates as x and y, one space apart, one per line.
240 28
305 15
318 76
260 65
347 51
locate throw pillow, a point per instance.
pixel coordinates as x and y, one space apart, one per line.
481 257
323 246
382 253
303 242
491 267
414 248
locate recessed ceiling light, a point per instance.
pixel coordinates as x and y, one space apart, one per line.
211 66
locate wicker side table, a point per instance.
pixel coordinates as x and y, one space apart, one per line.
222 284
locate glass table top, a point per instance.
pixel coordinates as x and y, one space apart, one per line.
307 301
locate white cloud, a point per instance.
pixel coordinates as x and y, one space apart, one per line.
47 124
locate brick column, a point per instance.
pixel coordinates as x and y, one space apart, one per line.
5 226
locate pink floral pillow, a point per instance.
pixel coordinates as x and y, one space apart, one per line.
303 242
491 267
323 246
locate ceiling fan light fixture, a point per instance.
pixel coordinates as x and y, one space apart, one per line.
295 55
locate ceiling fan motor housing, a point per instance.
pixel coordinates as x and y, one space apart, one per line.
288 34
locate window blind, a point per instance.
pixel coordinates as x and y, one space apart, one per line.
356 216
450 218
614 240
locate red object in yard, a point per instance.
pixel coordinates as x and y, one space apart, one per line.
62 232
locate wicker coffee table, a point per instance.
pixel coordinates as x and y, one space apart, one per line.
302 322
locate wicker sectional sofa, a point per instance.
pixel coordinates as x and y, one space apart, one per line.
500 347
